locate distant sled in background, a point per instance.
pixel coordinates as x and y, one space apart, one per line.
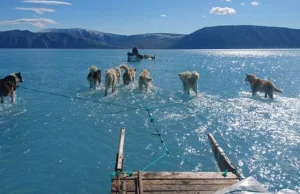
134 56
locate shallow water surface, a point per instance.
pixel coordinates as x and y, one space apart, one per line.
54 144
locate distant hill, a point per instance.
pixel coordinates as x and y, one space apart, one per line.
219 37
232 37
82 38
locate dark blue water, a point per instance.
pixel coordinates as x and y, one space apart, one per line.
51 144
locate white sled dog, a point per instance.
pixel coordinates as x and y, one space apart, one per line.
189 80
112 78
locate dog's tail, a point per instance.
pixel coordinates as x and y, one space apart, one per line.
277 90
93 69
125 67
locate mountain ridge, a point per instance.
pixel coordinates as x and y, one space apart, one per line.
214 37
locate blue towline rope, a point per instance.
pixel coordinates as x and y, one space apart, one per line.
167 152
130 108
118 173
155 161
83 99
101 102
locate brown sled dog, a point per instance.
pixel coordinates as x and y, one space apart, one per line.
8 86
145 79
129 74
261 85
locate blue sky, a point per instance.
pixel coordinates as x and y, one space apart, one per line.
136 17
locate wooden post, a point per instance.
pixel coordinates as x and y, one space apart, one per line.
222 160
124 191
120 155
140 183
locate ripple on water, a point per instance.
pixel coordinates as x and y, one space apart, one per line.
47 140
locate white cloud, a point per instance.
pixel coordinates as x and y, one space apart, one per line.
163 15
242 4
222 11
37 22
254 3
36 10
226 0
47 2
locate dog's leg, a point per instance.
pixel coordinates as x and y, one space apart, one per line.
90 82
195 88
106 89
140 85
95 84
146 86
253 91
113 88
184 87
266 95
270 93
12 97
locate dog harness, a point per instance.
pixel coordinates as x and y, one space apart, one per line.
6 85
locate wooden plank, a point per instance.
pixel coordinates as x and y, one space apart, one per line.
182 175
140 183
221 158
124 188
114 186
176 192
156 188
120 156
177 181
185 182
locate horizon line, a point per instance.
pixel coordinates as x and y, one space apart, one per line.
41 31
